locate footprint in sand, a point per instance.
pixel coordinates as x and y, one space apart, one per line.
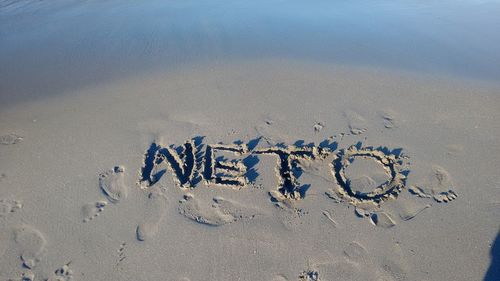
365 174
8 206
353 266
328 215
405 208
394 266
382 219
10 139
356 264
357 124
341 270
93 210
31 244
362 184
455 149
291 216
63 273
155 213
318 127
112 185
389 119
388 215
25 276
221 212
280 277
356 252
438 186
391 213
121 253
309 275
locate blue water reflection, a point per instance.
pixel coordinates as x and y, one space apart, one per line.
81 42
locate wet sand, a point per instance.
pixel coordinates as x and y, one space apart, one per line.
219 141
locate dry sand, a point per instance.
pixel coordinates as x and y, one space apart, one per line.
248 168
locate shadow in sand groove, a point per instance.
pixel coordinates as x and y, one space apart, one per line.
493 272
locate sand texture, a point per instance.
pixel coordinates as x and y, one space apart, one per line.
191 161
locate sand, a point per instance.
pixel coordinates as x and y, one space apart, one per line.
244 167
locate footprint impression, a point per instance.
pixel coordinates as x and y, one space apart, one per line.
63 273
8 206
389 118
220 212
356 264
356 123
438 185
30 244
25 243
10 139
92 210
112 185
155 213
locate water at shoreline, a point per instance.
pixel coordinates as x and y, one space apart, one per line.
51 48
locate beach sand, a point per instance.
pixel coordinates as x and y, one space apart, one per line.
243 167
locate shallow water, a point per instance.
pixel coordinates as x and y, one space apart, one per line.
53 47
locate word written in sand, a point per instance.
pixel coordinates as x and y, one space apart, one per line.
190 164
